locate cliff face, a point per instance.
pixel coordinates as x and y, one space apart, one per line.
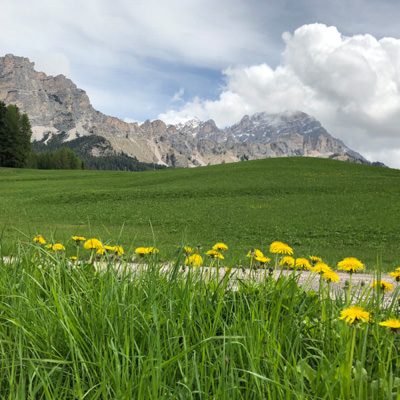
55 106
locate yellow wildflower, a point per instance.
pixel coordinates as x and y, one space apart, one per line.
215 254
350 264
287 262
142 251
355 314
93 244
315 259
58 246
385 286
280 248
395 275
263 259
49 246
39 239
255 253
152 250
331 276
303 264
195 260
73 258
320 268
100 251
391 323
220 247
187 250
78 239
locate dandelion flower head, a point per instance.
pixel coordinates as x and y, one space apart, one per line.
215 254
195 260
315 259
350 264
220 247
280 248
255 253
391 323
39 239
141 251
385 286
287 262
331 276
78 239
320 268
58 246
263 260
303 264
187 250
395 275
355 314
93 244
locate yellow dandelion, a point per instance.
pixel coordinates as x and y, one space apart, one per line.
303 264
101 251
215 254
152 250
228 269
395 275
315 259
255 253
188 250
39 239
118 250
280 248
287 262
331 276
355 314
385 286
49 246
350 264
78 239
195 260
263 260
220 247
320 268
142 251
391 323
93 244
58 246
73 258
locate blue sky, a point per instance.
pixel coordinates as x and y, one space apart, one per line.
146 59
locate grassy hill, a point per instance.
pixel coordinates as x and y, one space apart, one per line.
323 207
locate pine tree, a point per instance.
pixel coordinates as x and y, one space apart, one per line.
15 137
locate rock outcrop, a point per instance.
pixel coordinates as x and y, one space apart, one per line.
56 107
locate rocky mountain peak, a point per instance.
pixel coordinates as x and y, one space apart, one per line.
57 108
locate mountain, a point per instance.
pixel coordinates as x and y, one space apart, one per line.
61 114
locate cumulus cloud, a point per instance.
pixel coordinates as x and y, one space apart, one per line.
350 83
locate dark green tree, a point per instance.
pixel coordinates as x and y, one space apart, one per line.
15 137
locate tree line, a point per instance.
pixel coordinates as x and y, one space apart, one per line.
16 150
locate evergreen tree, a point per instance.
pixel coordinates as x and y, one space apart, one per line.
15 137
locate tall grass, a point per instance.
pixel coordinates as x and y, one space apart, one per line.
73 331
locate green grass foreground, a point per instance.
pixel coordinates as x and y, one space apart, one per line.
323 207
73 332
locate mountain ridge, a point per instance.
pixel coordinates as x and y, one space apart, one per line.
56 107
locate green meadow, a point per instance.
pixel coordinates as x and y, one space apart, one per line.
105 329
322 207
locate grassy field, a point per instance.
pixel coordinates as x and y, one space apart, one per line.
70 331
322 207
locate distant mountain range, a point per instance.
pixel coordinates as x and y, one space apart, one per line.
61 113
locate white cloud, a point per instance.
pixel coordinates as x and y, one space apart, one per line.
351 84
178 95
